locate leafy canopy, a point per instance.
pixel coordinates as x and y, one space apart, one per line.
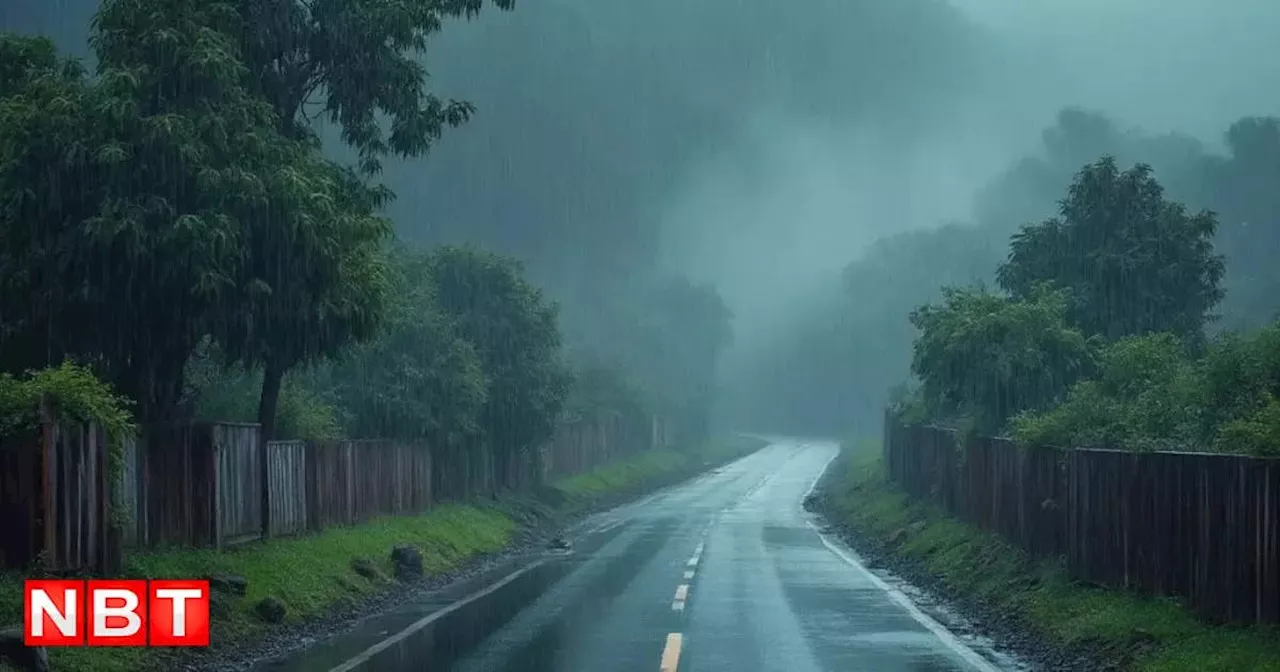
418 380
127 194
1133 262
516 336
987 356
1145 396
354 62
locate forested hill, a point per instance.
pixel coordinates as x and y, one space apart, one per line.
858 346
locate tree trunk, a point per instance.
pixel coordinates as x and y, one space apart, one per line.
272 376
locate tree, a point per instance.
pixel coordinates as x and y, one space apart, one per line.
1132 261
311 278
419 381
686 326
314 281
125 196
516 335
1242 188
357 61
987 357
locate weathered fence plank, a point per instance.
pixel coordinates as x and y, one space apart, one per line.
239 483
288 487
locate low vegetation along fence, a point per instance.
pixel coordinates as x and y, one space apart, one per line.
202 484
1203 527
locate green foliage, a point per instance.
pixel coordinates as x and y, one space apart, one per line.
360 60
1149 393
988 357
315 278
1258 433
598 388
419 380
515 335
1133 261
224 391
130 193
77 395
1146 396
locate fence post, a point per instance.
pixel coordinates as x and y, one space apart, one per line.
49 463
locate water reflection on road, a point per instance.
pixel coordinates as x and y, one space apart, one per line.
723 573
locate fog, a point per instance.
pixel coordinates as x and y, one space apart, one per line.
762 147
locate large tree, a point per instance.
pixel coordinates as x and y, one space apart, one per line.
315 279
1133 261
515 332
356 64
125 198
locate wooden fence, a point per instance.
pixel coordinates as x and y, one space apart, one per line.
1202 527
55 498
202 484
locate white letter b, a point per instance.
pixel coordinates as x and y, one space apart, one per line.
129 612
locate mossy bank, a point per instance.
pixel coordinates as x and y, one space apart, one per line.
1032 605
321 576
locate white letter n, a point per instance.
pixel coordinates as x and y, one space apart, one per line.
42 606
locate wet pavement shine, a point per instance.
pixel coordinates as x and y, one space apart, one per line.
724 573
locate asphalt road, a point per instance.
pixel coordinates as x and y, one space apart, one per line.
725 573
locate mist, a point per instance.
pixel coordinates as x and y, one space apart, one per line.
762 148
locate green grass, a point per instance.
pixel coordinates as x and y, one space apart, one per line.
644 469
1136 632
312 574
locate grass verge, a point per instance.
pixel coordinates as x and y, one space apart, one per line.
313 574
1125 630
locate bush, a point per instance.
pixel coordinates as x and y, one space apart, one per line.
988 357
1145 396
77 394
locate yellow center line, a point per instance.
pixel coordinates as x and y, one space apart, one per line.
671 653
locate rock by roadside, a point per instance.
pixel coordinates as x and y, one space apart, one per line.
1010 633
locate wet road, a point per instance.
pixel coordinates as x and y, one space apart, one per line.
722 573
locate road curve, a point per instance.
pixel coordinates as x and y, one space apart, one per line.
725 573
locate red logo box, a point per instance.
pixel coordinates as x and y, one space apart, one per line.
116 612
